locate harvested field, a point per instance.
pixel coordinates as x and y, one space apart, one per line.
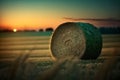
30 56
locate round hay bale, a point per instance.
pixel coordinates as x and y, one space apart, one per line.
82 40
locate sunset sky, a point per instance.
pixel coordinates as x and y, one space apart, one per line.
36 14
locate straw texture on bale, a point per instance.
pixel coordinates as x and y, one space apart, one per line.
81 40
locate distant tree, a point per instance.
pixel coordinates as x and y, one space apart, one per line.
49 29
32 30
40 30
29 31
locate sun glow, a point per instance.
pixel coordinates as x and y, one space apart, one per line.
14 30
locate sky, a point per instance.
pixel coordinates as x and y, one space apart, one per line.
37 14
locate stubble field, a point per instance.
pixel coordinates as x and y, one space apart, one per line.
28 57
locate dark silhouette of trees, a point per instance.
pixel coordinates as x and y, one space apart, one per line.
110 30
49 29
6 30
29 31
40 30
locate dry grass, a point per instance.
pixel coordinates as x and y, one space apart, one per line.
106 68
70 67
73 69
18 63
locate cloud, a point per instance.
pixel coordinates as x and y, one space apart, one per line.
97 21
92 19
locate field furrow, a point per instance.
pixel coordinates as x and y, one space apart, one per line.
39 46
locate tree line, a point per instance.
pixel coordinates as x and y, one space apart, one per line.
110 30
103 30
26 30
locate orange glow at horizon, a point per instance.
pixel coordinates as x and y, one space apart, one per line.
32 20
29 20
30 23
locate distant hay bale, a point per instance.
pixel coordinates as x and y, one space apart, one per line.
82 40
